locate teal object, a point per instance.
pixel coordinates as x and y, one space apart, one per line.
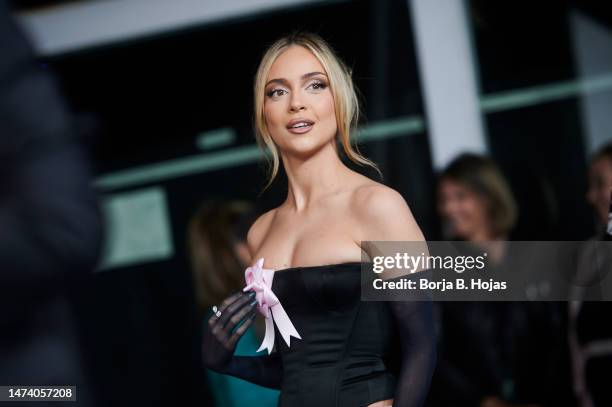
230 391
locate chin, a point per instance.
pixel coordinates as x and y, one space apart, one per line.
305 147
462 233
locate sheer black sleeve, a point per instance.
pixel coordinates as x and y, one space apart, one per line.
264 370
415 325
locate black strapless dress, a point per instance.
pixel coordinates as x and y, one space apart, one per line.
347 345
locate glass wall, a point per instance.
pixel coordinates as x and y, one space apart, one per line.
544 71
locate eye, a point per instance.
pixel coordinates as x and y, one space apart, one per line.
317 85
276 92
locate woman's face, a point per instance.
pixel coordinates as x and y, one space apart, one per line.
464 210
600 187
298 105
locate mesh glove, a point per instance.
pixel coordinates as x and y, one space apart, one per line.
237 313
221 337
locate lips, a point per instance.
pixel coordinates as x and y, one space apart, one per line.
300 125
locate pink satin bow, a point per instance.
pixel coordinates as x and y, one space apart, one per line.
259 280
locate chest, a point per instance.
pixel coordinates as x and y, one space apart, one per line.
317 239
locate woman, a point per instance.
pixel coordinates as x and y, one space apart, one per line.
218 252
305 110
517 352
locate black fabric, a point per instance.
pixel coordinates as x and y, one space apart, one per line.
597 376
516 351
351 352
266 370
417 340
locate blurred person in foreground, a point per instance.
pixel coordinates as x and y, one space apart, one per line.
493 354
49 223
590 334
219 255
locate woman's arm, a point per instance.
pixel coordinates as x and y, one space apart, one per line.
266 370
386 216
418 351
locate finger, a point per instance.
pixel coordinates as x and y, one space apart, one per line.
240 331
226 310
240 315
214 319
224 332
229 312
249 318
232 327
236 312
230 300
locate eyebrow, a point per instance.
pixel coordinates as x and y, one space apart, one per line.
285 82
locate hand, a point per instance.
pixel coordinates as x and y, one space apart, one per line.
220 339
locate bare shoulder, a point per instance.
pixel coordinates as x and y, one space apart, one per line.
384 214
258 230
373 197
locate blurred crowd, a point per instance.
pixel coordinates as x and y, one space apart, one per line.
517 353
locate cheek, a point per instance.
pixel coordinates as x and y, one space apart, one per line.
479 211
447 206
275 119
325 108
467 210
271 113
458 217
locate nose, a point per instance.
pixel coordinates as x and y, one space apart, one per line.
296 104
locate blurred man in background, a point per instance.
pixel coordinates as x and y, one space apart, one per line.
49 223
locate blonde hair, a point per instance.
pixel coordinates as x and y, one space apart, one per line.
346 103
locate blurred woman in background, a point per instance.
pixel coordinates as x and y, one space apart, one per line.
515 357
219 254
475 202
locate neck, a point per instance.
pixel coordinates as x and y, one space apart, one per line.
313 177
